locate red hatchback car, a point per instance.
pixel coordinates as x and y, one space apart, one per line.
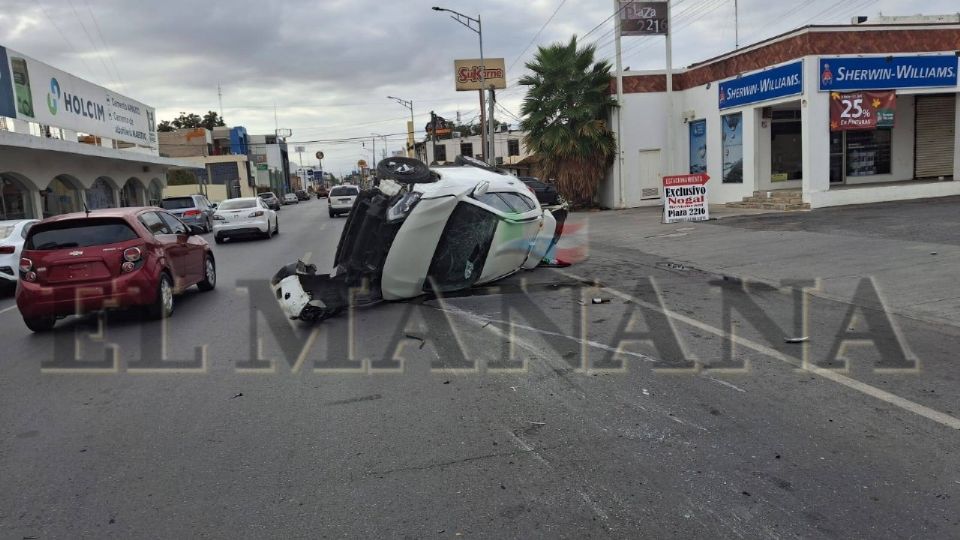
109 259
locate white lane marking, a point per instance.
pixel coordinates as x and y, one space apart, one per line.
593 505
525 446
853 384
11 308
728 385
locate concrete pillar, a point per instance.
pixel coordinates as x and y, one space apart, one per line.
956 142
37 203
814 132
751 140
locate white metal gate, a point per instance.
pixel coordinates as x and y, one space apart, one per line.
935 136
648 185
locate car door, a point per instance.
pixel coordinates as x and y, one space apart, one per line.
193 250
173 251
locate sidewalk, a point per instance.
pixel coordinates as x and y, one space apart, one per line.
918 279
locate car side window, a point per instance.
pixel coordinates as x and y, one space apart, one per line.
173 223
519 203
26 229
494 200
154 223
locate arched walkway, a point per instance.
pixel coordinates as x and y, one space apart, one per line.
132 193
102 194
16 199
62 196
155 192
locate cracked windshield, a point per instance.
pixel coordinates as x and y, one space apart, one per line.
479 269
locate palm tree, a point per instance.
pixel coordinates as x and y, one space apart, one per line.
565 115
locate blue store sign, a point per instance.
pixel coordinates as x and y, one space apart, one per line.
891 72
773 83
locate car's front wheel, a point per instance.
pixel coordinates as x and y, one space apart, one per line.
162 307
40 324
209 275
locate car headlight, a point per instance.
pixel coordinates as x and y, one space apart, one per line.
401 209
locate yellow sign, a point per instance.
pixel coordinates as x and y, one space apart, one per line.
779 177
467 73
362 164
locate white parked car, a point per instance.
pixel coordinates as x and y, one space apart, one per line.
290 198
426 231
246 216
12 234
340 199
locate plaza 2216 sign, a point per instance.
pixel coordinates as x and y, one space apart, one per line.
643 18
862 110
685 198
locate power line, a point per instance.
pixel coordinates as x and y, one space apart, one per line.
105 46
519 56
62 35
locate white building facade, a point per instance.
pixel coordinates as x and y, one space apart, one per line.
759 119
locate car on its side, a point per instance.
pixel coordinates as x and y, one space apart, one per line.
341 199
271 199
12 235
290 198
302 195
110 259
245 216
191 209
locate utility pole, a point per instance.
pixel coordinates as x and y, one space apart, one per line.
671 154
220 99
433 135
736 24
411 143
618 164
492 130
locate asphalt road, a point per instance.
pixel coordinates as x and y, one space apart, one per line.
435 419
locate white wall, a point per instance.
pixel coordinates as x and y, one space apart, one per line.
643 125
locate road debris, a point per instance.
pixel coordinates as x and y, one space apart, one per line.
240 394
598 300
418 337
538 423
803 339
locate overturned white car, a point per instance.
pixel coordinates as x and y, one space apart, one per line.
426 231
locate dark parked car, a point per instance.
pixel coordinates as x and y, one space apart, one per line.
546 192
303 195
114 258
273 202
192 210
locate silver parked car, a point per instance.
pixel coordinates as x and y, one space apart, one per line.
191 209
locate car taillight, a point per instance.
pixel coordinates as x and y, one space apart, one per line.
7 250
132 255
26 265
128 267
258 213
190 213
218 217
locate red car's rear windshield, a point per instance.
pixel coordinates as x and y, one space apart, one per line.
79 233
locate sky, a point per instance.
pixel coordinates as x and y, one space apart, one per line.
324 68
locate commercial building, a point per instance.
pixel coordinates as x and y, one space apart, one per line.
820 116
216 163
271 162
510 149
66 143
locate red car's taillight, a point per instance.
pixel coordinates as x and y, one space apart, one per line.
7 250
132 254
191 213
26 265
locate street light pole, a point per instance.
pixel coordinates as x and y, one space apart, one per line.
486 123
410 140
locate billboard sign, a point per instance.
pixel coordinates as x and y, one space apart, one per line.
46 95
466 73
685 198
8 105
885 72
862 110
781 81
643 18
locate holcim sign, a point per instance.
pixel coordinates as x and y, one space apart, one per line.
467 73
685 198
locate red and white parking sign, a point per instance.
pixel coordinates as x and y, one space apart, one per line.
685 198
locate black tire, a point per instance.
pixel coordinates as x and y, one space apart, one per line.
218 239
276 228
160 308
40 324
404 170
333 214
209 274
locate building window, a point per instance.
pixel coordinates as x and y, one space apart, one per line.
868 152
513 147
466 149
732 148
223 173
441 153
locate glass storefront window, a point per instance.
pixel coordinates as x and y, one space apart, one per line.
732 148
15 201
60 197
786 151
868 152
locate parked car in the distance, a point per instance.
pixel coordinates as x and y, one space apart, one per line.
546 193
247 216
302 195
112 258
290 198
190 209
271 199
341 199
12 235
322 192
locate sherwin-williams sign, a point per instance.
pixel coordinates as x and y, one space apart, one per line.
862 110
786 80
46 95
885 72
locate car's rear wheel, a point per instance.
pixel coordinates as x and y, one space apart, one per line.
40 324
218 239
162 307
332 214
209 275
276 226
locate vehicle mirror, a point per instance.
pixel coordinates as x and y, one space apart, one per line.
213 206
194 230
481 189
